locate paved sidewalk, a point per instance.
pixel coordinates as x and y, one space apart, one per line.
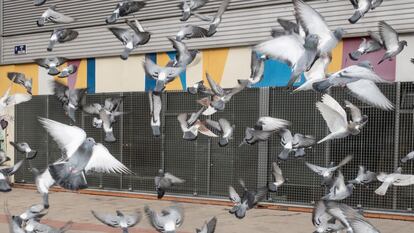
76 207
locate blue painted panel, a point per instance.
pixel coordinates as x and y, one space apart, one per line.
277 74
91 75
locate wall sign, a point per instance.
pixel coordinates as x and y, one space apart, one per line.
20 49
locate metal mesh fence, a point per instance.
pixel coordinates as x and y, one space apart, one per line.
209 169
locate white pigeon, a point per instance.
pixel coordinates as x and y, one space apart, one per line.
8 100
316 73
396 179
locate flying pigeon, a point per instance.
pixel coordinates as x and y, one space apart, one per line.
125 8
39 2
81 155
409 156
61 35
168 221
257 66
120 220
214 21
51 15
199 87
189 31
69 70
364 177
248 200
20 78
51 64
184 56
163 75
3 157
391 41
294 143
315 74
8 100
33 226
70 98
339 190
225 128
5 173
356 114
375 4
131 38
191 126
155 107
361 8
336 119
24 148
208 227
324 221
373 44
264 128
279 180
43 182
164 181
33 212
396 179
187 8
328 172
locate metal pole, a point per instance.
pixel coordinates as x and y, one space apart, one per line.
263 150
121 139
396 139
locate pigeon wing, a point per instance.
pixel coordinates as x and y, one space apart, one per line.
214 124
103 161
362 226
173 179
389 35
317 169
403 180
234 196
133 219
277 173
222 8
57 17
151 68
107 219
355 111
368 92
214 86
121 33
17 99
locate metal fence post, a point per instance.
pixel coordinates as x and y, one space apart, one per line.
396 139
263 150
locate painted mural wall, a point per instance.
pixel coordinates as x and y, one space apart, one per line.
225 65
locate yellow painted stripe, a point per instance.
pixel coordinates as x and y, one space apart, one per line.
30 70
214 62
337 56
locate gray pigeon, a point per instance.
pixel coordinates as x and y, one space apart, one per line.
43 182
184 56
120 220
164 181
364 177
361 8
163 75
257 66
187 8
8 100
69 70
324 221
214 21
199 87
168 220
264 128
80 155
356 114
373 44
208 227
5 173
51 64
408 157
279 180
391 41
33 212
61 35
375 4
24 148
131 38
70 98
33 226
248 200
339 190
20 78
328 172
294 143
155 107
225 128
14 226
3 157
125 8
396 179
51 15
191 126
39 2
190 31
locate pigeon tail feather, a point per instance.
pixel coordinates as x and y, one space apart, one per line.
64 176
355 17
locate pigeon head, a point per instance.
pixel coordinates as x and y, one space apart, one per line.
89 143
41 22
161 172
404 43
339 33
118 213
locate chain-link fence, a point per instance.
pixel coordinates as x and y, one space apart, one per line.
209 169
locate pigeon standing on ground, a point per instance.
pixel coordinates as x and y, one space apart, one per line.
189 31
21 79
3 157
51 64
396 179
5 173
208 227
168 221
279 180
373 44
294 143
191 126
265 127
339 190
61 35
391 41
163 75
323 221
328 172
187 8
225 128
125 8
24 148
164 181
69 70
81 155
364 177
184 56
120 220
51 15
70 98
155 107
408 157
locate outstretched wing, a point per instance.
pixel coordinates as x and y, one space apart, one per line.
103 161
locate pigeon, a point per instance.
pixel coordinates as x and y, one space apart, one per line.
364 177
155 106
313 23
257 66
220 98
225 128
265 127
20 78
43 182
81 154
8 100
288 28
248 200
184 56
391 41
291 50
125 8
120 220
199 87
294 143
189 31
107 114
163 75
339 190
33 212
33 226
3 157
164 181
51 15
356 114
373 44
208 227
70 98
4 122
396 179
278 177
187 8
5 173
323 221
69 70
131 38
315 74
24 148
409 156
328 172
336 119
14 226
39 2
191 126
61 35
168 221
360 79
375 4
214 21
51 64
361 8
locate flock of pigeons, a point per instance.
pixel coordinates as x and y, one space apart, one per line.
304 45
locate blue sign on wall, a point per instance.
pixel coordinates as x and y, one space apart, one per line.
20 49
